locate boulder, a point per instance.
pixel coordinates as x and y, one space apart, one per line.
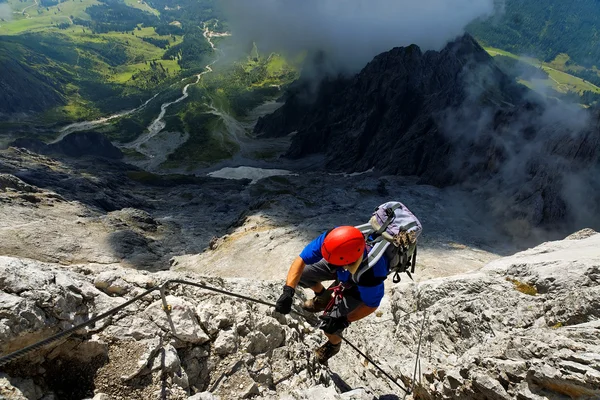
181 320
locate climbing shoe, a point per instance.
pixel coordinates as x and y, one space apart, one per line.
328 350
319 302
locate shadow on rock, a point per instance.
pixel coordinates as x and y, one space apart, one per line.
137 250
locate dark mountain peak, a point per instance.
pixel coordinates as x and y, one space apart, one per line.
449 117
466 47
403 78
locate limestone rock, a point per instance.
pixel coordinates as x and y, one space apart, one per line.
111 283
8 182
134 218
166 360
239 385
226 343
19 389
490 320
101 396
181 320
204 396
582 234
525 326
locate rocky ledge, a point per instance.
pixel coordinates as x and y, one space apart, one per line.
525 326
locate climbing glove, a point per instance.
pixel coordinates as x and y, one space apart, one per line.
332 325
284 303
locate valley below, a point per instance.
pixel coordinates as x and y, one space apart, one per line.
142 142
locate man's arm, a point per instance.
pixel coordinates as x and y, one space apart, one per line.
360 312
295 272
371 297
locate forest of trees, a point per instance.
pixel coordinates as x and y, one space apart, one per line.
162 43
588 75
114 15
544 29
191 53
189 13
167 29
49 3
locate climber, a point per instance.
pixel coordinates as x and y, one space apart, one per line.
335 255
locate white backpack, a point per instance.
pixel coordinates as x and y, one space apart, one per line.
392 231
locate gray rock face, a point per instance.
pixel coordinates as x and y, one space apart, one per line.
19 389
91 211
78 144
393 100
205 342
525 326
514 328
452 117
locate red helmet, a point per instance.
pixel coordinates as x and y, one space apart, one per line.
343 245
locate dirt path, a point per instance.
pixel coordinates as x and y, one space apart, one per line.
27 16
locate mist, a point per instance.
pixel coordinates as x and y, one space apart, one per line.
541 157
5 12
350 32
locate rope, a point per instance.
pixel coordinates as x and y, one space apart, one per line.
417 361
407 391
26 350
338 291
225 292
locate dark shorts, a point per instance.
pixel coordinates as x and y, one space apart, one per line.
322 271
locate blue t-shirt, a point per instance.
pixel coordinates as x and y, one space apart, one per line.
371 293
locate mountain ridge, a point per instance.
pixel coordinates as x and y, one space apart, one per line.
449 117
403 81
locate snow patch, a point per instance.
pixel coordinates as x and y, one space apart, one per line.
255 174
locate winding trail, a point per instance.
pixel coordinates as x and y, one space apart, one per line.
85 125
22 12
159 124
156 144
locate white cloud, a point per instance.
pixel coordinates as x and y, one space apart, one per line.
352 32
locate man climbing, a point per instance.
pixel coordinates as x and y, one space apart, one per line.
336 255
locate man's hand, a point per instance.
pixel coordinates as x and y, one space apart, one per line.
333 326
284 303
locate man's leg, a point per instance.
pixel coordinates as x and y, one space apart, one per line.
334 342
312 276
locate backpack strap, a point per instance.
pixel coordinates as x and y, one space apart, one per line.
375 254
412 264
377 251
366 229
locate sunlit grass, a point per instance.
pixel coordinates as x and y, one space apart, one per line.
567 82
141 5
559 80
42 18
276 65
126 72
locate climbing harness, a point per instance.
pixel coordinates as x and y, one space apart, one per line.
167 308
338 295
